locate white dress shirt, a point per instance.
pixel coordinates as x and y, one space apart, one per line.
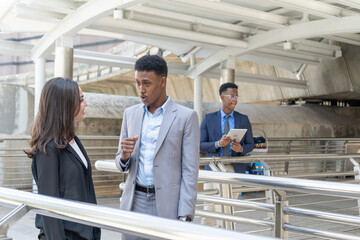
148 139
79 152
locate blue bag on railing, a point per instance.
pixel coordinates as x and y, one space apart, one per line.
257 169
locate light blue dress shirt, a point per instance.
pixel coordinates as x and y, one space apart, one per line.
231 126
149 135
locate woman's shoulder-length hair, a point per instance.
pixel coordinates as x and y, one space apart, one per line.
59 103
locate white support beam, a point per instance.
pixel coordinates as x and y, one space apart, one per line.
198 99
283 57
302 52
291 66
346 38
181 69
261 79
316 8
350 3
64 51
103 59
5 8
82 17
100 55
23 10
193 19
59 6
318 45
293 32
307 30
163 31
15 48
175 45
39 82
245 14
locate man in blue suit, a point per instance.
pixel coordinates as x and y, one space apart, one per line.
215 125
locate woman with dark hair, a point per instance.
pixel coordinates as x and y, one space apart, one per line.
60 166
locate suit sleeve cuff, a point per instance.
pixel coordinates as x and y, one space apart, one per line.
124 165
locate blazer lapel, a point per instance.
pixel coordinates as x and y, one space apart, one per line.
83 152
73 152
167 121
139 116
218 124
237 119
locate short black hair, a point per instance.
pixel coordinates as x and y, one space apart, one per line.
225 86
151 63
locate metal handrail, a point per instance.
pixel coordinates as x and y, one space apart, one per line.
20 137
310 139
116 220
12 157
319 233
276 157
334 217
235 202
277 183
298 185
82 137
109 166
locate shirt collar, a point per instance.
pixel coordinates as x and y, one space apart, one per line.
223 114
160 109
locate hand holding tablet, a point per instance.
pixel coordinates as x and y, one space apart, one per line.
236 134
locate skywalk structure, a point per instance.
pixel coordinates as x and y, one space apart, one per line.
283 54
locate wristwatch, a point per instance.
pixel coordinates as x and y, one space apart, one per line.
185 219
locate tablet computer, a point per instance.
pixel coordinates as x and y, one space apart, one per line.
237 134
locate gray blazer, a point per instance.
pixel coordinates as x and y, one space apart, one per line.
176 161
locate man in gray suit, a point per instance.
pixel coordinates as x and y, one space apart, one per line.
159 146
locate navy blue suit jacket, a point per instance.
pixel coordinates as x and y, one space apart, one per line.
210 131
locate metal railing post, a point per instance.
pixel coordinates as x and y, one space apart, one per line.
356 176
214 208
269 193
10 219
280 217
288 149
226 190
326 150
98 72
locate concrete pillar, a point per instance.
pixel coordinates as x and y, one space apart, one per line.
39 82
64 57
198 86
227 71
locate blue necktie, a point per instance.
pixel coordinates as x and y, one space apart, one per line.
226 149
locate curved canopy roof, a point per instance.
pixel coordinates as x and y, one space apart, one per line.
285 33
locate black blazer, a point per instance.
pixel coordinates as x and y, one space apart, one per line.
61 173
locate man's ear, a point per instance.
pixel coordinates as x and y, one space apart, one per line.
163 81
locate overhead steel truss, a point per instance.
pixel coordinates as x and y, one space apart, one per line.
283 33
